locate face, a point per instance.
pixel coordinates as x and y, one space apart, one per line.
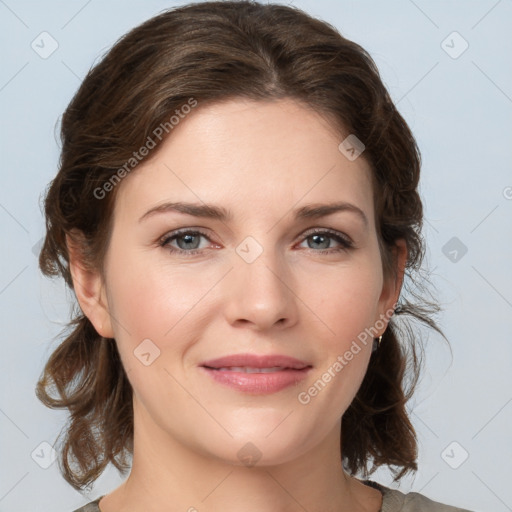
186 287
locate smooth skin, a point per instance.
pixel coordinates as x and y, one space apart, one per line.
307 296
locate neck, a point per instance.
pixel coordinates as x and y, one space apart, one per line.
169 475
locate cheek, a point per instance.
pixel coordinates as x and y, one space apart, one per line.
157 320
149 302
346 300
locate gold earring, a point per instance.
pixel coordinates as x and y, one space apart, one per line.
376 343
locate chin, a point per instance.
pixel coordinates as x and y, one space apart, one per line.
260 446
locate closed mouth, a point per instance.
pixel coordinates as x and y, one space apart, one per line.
248 369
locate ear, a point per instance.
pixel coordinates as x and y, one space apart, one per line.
88 285
393 283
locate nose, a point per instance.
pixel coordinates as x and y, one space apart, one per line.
260 294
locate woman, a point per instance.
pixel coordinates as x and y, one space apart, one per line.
236 210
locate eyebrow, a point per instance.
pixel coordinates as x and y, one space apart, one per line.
209 211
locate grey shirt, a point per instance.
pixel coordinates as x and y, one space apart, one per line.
392 501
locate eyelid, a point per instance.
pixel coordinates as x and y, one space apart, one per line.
172 235
334 232
183 231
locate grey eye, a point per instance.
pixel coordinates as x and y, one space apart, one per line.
189 241
319 241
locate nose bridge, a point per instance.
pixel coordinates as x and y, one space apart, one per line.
260 291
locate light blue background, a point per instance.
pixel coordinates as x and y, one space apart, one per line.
461 113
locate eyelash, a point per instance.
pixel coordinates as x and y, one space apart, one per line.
345 242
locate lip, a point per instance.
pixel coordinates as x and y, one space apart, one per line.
256 361
293 371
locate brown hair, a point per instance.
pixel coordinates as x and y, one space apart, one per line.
213 52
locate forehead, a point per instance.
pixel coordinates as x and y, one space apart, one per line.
261 152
